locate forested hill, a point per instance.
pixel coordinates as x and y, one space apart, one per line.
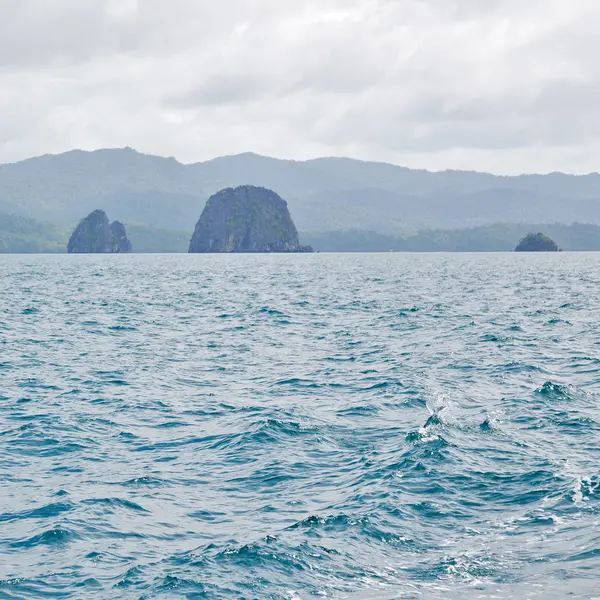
325 194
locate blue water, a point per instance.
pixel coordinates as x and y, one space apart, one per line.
300 426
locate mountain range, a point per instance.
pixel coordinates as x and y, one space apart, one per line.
162 197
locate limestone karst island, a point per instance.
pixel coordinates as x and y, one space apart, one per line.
241 219
96 235
537 242
246 219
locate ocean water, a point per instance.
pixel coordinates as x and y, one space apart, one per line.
381 426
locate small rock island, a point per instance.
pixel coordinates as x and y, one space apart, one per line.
96 235
246 219
537 242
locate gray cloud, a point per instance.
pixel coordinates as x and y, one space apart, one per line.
503 85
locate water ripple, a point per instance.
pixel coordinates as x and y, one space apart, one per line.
290 427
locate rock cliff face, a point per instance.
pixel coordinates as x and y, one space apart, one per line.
536 242
120 242
95 235
246 219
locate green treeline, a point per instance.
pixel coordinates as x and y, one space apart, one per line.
25 235
500 237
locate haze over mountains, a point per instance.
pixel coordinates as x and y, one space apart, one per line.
324 195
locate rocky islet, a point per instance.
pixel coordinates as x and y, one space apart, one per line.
537 242
96 235
246 219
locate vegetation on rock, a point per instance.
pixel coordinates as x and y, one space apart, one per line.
246 219
96 235
536 242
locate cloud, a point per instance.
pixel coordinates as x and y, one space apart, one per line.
503 85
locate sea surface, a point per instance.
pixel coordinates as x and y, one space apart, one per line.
375 426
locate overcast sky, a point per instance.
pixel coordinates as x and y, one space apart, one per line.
506 86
